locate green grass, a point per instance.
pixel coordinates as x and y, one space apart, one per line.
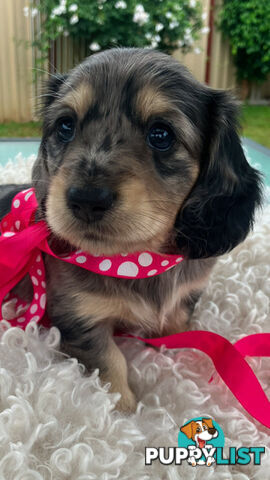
16 130
256 123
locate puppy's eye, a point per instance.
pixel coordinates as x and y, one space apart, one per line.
160 137
65 129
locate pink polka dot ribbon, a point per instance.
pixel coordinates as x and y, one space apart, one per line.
22 242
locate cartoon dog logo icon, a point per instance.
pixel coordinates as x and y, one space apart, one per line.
201 432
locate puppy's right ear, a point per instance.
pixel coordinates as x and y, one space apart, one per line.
52 87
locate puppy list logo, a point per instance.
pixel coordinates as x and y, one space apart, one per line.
201 437
201 443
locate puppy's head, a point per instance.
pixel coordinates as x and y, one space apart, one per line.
137 155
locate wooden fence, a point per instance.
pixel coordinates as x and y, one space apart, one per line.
16 89
18 94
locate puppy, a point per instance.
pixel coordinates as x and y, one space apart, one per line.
136 155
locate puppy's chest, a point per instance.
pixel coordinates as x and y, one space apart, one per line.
95 298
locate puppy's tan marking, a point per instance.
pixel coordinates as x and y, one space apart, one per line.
131 310
154 218
116 373
150 101
79 99
99 307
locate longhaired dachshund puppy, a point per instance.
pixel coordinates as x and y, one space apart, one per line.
136 155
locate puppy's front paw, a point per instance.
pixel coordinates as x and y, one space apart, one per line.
127 403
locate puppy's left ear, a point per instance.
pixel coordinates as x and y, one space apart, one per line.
219 211
41 168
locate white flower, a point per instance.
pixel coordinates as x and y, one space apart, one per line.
159 27
205 30
204 16
34 12
73 7
66 33
94 46
58 11
155 39
63 3
180 43
60 28
173 24
74 19
168 14
121 4
188 37
140 16
188 40
192 3
197 50
139 8
26 11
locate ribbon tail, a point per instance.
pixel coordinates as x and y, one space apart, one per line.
229 363
256 345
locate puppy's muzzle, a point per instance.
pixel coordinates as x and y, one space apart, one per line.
89 204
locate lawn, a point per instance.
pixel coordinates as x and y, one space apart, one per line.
255 121
22 130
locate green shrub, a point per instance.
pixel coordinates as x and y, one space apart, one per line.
162 24
247 25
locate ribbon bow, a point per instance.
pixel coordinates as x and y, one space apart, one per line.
21 245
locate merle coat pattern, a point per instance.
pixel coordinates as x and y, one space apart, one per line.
104 187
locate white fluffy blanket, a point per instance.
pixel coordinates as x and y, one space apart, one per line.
55 423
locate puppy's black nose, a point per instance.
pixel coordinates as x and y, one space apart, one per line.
89 204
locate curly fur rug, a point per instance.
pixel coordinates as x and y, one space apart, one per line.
56 423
